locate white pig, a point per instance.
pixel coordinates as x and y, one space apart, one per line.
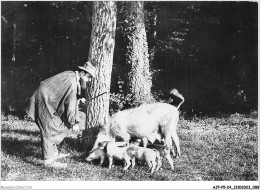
97 154
151 156
146 122
164 152
118 151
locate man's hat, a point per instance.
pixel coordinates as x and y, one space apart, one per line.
88 67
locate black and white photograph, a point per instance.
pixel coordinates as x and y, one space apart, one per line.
129 95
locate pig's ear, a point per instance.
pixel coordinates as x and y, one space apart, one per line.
102 145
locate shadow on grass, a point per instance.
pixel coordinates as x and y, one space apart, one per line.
21 132
71 144
20 148
30 151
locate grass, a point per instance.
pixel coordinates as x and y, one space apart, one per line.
222 148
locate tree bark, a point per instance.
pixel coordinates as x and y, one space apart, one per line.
140 80
101 51
154 36
14 38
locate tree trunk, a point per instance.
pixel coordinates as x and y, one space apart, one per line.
154 36
140 81
14 38
101 51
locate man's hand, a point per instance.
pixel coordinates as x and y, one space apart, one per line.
76 128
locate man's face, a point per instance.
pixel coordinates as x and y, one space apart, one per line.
84 79
86 76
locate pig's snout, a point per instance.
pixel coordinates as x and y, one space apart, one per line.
90 157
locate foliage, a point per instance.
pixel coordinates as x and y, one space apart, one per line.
214 148
200 48
199 52
120 102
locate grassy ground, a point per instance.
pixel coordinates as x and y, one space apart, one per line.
219 148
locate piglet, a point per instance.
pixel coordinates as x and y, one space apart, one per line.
114 151
97 154
151 156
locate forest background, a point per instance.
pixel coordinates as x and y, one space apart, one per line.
207 50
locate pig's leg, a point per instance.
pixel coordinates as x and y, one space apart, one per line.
110 159
133 162
158 166
168 143
128 163
175 139
168 157
159 163
149 164
153 166
101 160
145 141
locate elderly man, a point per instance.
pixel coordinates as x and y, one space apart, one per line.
54 108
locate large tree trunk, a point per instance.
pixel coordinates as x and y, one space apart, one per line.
140 81
153 30
101 56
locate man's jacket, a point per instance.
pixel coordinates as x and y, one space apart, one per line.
53 105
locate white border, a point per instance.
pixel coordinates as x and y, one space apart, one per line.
126 184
